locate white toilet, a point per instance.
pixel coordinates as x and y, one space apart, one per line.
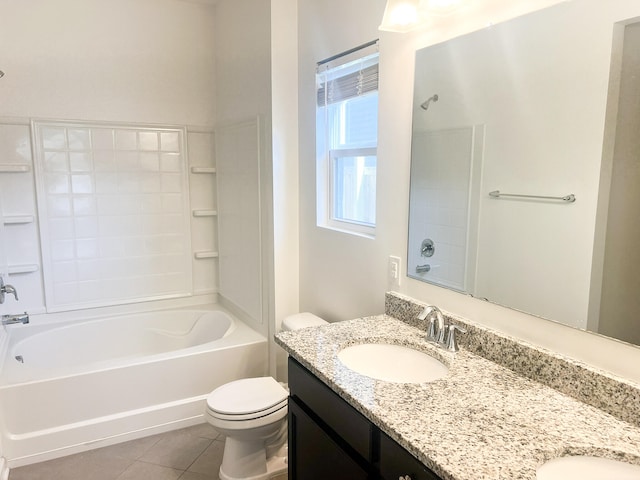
252 414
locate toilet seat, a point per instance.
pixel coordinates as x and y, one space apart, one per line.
247 399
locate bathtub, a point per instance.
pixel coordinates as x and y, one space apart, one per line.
77 385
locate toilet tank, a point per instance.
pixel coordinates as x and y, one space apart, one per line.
301 320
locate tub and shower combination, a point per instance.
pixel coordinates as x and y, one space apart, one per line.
70 385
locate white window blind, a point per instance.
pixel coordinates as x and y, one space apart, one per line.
349 81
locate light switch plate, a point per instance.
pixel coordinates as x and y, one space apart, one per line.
394 271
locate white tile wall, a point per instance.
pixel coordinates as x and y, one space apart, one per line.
441 174
114 213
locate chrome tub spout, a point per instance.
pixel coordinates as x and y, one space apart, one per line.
13 319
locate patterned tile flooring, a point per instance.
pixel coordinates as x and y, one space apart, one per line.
193 453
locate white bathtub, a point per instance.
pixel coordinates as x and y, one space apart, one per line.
77 385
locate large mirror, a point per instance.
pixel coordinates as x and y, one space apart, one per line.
525 168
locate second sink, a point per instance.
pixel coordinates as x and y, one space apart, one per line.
392 363
587 468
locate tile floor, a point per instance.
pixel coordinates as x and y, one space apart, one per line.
193 453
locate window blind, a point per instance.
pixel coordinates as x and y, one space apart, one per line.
340 79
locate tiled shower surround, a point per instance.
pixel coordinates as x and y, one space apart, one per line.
441 181
127 213
114 218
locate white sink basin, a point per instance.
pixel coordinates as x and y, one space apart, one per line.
392 363
587 468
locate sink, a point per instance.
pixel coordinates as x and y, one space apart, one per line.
587 468
392 363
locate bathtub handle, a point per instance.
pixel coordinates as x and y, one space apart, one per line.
7 289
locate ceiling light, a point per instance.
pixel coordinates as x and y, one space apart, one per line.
400 16
406 15
439 7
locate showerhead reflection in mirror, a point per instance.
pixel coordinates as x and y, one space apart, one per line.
425 105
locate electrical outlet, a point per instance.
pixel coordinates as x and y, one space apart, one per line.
394 271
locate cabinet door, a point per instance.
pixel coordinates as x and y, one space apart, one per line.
340 417
398 464
313 454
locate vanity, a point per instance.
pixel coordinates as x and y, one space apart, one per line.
513 157
483 420
330 439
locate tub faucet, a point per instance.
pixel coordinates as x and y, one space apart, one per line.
437 331
13 319
7 289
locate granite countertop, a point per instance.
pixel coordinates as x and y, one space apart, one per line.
482 421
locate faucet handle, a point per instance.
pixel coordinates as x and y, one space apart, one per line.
452 343
5 289
11 289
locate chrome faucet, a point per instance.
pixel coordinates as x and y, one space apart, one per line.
436 332
7 289
13 319
438 328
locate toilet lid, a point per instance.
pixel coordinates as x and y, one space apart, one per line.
301 320
246 396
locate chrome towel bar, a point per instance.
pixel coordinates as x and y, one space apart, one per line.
567 198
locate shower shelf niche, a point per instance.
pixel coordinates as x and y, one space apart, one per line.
14 168
18 269
205 213
204 255
203 170
17 219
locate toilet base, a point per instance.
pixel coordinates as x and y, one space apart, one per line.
277 468
259 459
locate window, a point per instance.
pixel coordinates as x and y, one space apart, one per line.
347 140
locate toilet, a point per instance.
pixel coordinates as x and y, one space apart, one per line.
252 414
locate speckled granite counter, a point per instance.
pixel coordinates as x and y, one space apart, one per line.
482 421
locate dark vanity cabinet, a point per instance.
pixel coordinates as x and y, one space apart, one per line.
329 439
398 464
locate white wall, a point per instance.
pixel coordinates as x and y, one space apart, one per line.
118 60
243 72
343 277
284 69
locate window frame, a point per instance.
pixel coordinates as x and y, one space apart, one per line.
326 156
360 227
